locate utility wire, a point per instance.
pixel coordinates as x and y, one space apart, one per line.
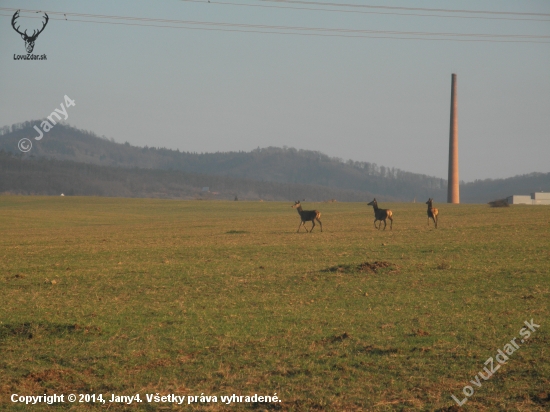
288 30
319 3
362 11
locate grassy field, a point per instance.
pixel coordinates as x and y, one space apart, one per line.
141 296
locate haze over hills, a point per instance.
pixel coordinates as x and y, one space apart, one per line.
290 172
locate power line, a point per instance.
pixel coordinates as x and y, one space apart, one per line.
362 11
318 3
289 30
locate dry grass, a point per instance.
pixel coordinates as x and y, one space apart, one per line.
142 296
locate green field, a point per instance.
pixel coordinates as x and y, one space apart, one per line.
128 296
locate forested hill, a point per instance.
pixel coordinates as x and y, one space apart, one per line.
285 166
492 189
41 176
282 165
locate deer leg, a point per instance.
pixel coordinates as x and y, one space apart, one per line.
312 226
384 224
320 224
391 222
435 221
299 226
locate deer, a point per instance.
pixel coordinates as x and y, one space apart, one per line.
29 40
432 212
381 215
307 216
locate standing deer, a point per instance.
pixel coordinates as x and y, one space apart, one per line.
432 212
381 215
307 216
29 40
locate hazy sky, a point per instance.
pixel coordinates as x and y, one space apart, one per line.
369 99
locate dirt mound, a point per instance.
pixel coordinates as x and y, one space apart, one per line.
365 267
340 338
374 266
336 338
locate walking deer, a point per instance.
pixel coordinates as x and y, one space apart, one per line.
381 215
432 212
307 216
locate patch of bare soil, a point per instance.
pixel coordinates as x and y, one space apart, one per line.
453 408
336 338
340 338
50 380
379 350
420 332
543 398
374 266
365 267
32 330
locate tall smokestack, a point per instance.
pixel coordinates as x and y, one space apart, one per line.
453 189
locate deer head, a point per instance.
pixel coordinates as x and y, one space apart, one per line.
29 40
296 204
374 202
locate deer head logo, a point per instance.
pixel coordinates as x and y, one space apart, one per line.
29 40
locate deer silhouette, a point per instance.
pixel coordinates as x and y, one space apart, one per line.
432 212
307 216
29 40
381 215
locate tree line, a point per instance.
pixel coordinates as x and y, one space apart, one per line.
39 176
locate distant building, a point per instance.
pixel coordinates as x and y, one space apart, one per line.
519 200
539 198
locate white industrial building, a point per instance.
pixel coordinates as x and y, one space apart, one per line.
519 200
541 198
537 198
